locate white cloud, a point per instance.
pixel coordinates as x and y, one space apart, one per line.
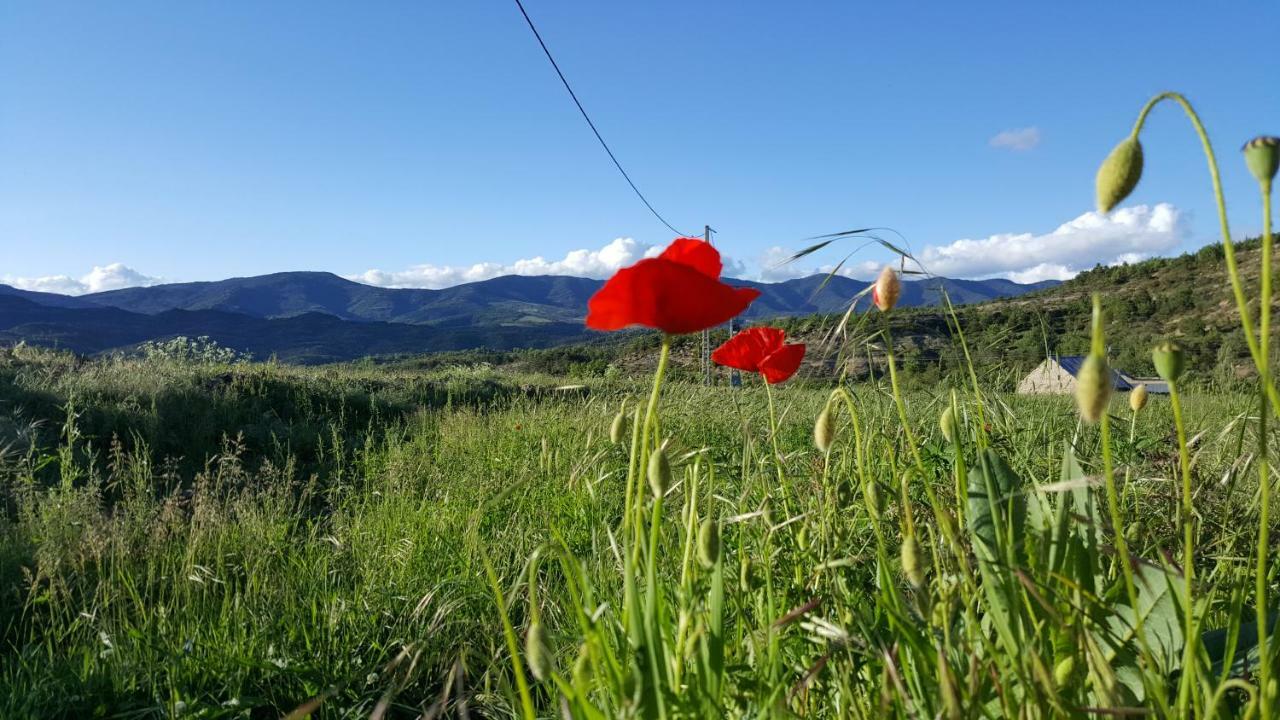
99 279
1017 139
1128 235
598 264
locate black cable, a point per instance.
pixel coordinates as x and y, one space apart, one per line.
586 117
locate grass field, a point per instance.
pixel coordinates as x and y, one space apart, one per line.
203 540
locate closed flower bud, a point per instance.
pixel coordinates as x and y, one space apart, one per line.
1138 397
748 578
1119 173
1093 388
617 427
659 472
948 424
886 290
582 665
536 651
824 429
871 492
911 566
709 543
1169 361
1262 155
1065 668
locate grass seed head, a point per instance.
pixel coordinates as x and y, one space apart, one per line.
1138 397
617 427
1262 155
1169 361
1119 173
1093 388
709 543
887 289
659 472
824 429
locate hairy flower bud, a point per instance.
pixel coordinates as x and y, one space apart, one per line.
536 651
1262 155
617 427
911 566
1119 173
1169 361
948 424
1138 397
659 472
1093 388
887 289
824 429
709 543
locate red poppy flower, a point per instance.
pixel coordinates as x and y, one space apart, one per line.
677 292
761 350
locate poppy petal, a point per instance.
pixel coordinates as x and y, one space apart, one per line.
697 254
669 296
745 350
782 364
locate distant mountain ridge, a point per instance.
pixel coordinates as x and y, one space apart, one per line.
321 317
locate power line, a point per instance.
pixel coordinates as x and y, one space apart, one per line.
587 117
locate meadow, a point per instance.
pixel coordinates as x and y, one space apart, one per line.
197 539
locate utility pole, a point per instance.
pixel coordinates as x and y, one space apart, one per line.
706 334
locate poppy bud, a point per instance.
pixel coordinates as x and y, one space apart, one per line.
1065 668
886 290
948 424
617 427
582 665
709 543
1262 155
1119 173
911 566
1093 388
1138 397
536 651
824 430
871 492
659 472
748 578
1169 361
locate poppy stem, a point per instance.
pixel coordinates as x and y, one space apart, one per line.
777 453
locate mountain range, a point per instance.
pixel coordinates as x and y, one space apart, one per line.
314 317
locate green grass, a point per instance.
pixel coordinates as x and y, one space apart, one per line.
233 541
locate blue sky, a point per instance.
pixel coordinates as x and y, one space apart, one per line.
405 143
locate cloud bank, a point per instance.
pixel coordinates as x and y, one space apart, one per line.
1127 235
101 278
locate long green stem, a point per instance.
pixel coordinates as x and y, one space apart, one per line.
1188 555
1264 470
1228 247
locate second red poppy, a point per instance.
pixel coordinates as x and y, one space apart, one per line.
761 350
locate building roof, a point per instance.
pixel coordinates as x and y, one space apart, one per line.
1073 363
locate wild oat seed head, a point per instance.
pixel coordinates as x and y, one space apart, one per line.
887 289
1138 397
948 424
1093 388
